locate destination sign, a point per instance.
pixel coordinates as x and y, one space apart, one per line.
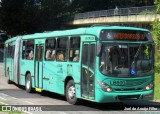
131 35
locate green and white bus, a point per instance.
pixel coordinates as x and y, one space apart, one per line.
99 63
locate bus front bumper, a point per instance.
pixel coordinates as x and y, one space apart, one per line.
104 97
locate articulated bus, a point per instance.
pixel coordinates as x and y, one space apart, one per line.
99 63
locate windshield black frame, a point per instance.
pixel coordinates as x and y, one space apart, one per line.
126 59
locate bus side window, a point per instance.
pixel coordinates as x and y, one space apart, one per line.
13 50
28 49
50 53
24 50
74 49
9 53
62 49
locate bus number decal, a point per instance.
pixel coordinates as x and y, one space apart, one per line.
118 82
90 38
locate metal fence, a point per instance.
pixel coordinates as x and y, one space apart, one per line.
116 12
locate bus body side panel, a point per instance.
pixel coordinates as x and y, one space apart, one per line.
76 73
46 76
26 66
49 76
53 75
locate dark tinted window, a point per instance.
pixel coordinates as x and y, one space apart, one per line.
92 56
85 55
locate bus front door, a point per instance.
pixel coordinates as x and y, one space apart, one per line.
88 71
39 66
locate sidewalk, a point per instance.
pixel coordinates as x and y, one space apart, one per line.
156 100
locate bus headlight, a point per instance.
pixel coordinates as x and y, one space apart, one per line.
149 86
104 86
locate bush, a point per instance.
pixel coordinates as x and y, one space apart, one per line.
157 67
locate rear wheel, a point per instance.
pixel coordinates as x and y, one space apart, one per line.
28 84
71 93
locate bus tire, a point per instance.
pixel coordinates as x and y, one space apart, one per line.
71 93
28 84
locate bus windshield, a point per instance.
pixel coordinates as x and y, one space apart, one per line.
126 60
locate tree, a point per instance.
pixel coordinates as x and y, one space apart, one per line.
11 19
156 25
156 36
21 16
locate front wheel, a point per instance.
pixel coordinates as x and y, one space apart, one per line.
71 93
28 84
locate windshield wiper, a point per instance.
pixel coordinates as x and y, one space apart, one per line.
139 49
133 63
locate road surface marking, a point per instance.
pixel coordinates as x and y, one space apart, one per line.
3 98
29 102
28 112
13 97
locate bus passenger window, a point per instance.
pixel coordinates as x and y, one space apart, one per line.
76 57
53 55
62 47
31 55
48 54
28 49
9 54
60 56
74 49
50 49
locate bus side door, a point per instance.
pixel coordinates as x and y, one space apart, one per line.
88 70
39 65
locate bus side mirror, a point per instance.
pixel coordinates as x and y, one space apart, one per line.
99 49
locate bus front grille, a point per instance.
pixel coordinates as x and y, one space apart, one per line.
128 97
129 89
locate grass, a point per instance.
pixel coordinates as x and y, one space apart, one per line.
157 86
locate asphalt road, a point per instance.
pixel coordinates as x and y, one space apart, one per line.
13 94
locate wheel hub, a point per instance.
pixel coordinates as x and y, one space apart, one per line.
71 92
28 84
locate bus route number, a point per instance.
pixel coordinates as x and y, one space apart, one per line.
118 82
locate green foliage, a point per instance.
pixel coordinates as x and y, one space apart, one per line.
157 3
148 12
156 31
25 16
156 37
157 67
28 16
157 86
156 25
